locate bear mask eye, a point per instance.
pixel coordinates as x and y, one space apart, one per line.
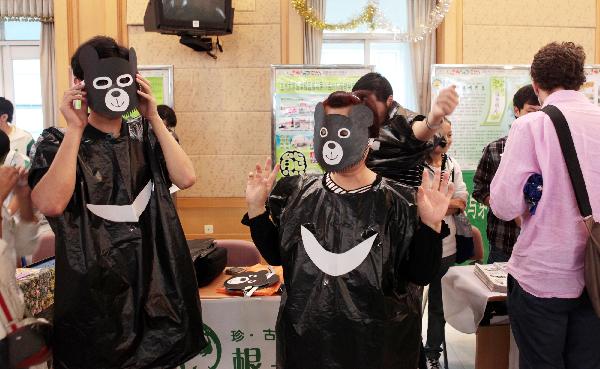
102 83
124 80
344 133
323 132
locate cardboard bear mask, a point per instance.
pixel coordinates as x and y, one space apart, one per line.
340 141
110 83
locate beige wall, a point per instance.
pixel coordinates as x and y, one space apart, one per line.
223 106
511 31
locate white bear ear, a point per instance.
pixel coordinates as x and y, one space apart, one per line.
362 115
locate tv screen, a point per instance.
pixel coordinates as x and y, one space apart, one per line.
193 17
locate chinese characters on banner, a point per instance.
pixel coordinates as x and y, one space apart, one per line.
240 332
485 114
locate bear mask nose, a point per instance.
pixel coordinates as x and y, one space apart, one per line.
115 94
331 145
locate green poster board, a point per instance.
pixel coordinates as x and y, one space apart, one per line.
485 113
296 91
161 83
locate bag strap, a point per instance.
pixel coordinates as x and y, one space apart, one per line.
570 155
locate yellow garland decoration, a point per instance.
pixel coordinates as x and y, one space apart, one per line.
366 17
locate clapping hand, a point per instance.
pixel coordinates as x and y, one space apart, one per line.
260 183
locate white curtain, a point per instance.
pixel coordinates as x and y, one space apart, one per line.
422 52
48 73
313 38
41 11
27 9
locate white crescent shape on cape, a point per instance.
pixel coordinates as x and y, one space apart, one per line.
125 213
332 263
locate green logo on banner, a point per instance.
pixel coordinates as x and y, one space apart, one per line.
214 349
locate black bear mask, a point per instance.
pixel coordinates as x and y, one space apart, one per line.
340 142
110 83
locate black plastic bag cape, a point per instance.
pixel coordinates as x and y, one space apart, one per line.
397 149
367 318
126 293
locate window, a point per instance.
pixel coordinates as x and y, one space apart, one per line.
378 48
20 80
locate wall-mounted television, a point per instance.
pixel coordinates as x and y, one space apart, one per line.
189 17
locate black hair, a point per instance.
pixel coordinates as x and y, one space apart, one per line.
525 95
168 115
376 83
4 145
106 47
341 99
6 107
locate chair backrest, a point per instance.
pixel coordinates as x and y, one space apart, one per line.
240 252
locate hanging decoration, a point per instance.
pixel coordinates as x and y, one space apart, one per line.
372 16
367 16
434 19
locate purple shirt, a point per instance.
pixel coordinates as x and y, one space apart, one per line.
547 259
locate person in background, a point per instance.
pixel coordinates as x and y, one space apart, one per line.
20 140
405 137
501 235
550 313
439 159
336 311
16 239
169 118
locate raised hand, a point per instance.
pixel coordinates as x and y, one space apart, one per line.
433 198
444 104
259 185
76 118
147 104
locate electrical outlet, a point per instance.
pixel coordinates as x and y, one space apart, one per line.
208 229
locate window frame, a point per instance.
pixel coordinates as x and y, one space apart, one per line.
366 39
9 51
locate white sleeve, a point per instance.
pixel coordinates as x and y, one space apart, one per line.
460 188
26 238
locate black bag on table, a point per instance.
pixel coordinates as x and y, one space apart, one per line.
209 260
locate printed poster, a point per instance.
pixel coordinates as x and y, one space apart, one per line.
485 114
297 90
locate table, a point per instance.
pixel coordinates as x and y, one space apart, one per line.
240 330
465 299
